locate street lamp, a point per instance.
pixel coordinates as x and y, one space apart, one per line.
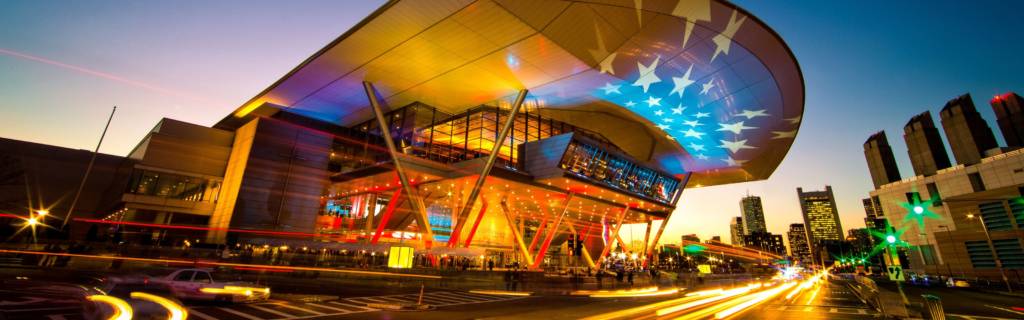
42 213
31 222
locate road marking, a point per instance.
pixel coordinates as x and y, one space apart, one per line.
240 314
269 310
371 299
1005 309
359 307
833 310
328 307
808 309
194 312
301 309
862 311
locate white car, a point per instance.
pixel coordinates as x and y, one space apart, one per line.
201 284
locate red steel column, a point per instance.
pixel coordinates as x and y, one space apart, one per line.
551 234
387 215
479 216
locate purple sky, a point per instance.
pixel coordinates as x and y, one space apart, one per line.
63 65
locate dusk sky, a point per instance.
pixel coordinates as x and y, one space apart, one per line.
868 66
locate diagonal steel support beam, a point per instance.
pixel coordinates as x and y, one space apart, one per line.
515 233
417 203
463 216
386 216
647 237
657 236
615 234
551 233
540 231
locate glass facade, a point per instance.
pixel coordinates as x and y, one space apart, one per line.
428 133
173 186
610 169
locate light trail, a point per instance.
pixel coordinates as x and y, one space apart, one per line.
724 295
175 310
105 75
226 264
636 294
814 294
634 313
121 309
760 297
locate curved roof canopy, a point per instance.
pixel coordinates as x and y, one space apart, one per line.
695 86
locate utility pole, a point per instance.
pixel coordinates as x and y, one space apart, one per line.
88 170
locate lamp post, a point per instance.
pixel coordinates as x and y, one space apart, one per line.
953 245
988 238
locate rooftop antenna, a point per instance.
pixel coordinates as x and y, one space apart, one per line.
88 169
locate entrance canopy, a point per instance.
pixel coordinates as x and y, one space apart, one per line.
695 86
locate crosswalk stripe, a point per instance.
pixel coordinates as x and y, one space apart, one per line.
351 305
862 311
371 299
462 297
391 299
269 310
240 314
437 302
301 309
833 310
444 299
194 312
328 307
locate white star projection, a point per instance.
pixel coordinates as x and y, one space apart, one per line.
647 75
693 11
680 83
739 124
601 53
723 41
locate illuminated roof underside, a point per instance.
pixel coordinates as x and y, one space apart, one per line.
699 86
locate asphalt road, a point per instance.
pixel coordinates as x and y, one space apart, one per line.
832 299
965 301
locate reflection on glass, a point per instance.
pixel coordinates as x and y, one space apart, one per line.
593 163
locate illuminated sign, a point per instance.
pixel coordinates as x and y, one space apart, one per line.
400 257
704 268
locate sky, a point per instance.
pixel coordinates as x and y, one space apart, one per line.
867 66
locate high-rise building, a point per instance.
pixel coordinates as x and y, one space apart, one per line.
820 215
1010 117
860 239
927 153
968 134
881 161
765 241
753 215
799 248
736 231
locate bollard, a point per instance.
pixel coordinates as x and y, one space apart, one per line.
420 300
933 305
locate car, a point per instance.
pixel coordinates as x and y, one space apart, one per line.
203 284
957 283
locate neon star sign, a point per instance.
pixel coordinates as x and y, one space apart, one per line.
918 210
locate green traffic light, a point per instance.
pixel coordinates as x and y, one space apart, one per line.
918 209
890 239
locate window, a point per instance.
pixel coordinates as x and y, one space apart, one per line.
1009 252
933 194
995 216
202 277
928 255
184 276
912 197
976 183
980 254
